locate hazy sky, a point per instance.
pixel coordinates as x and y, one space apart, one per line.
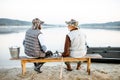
58 11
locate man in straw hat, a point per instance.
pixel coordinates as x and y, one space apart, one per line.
75 43
34 43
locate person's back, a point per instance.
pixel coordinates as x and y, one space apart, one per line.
78 40
75 43
32 44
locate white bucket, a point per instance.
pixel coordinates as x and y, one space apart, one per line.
14 52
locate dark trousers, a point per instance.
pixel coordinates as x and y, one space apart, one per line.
40 64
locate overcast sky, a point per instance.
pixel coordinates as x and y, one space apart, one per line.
59 11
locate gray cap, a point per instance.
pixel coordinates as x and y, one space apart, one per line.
72 22
37 21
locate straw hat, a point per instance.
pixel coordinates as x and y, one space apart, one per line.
72 22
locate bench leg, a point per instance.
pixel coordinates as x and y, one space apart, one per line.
88 65
23 64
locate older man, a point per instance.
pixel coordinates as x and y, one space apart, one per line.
75 43
34 43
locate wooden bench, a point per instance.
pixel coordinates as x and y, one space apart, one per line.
86 58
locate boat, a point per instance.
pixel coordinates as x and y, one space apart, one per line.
109 54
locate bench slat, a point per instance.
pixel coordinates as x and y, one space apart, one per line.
58 58
67 59
93 56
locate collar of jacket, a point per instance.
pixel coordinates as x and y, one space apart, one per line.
74 29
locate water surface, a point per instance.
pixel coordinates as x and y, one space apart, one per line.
55 38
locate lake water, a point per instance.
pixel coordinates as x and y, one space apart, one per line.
55 38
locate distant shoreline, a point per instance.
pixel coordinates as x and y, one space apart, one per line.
101 28
16 29
13 22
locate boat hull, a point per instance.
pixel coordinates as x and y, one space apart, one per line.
109 54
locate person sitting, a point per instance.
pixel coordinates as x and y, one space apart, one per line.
75 43
34 43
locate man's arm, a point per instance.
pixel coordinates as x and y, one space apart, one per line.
42 42
67 45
